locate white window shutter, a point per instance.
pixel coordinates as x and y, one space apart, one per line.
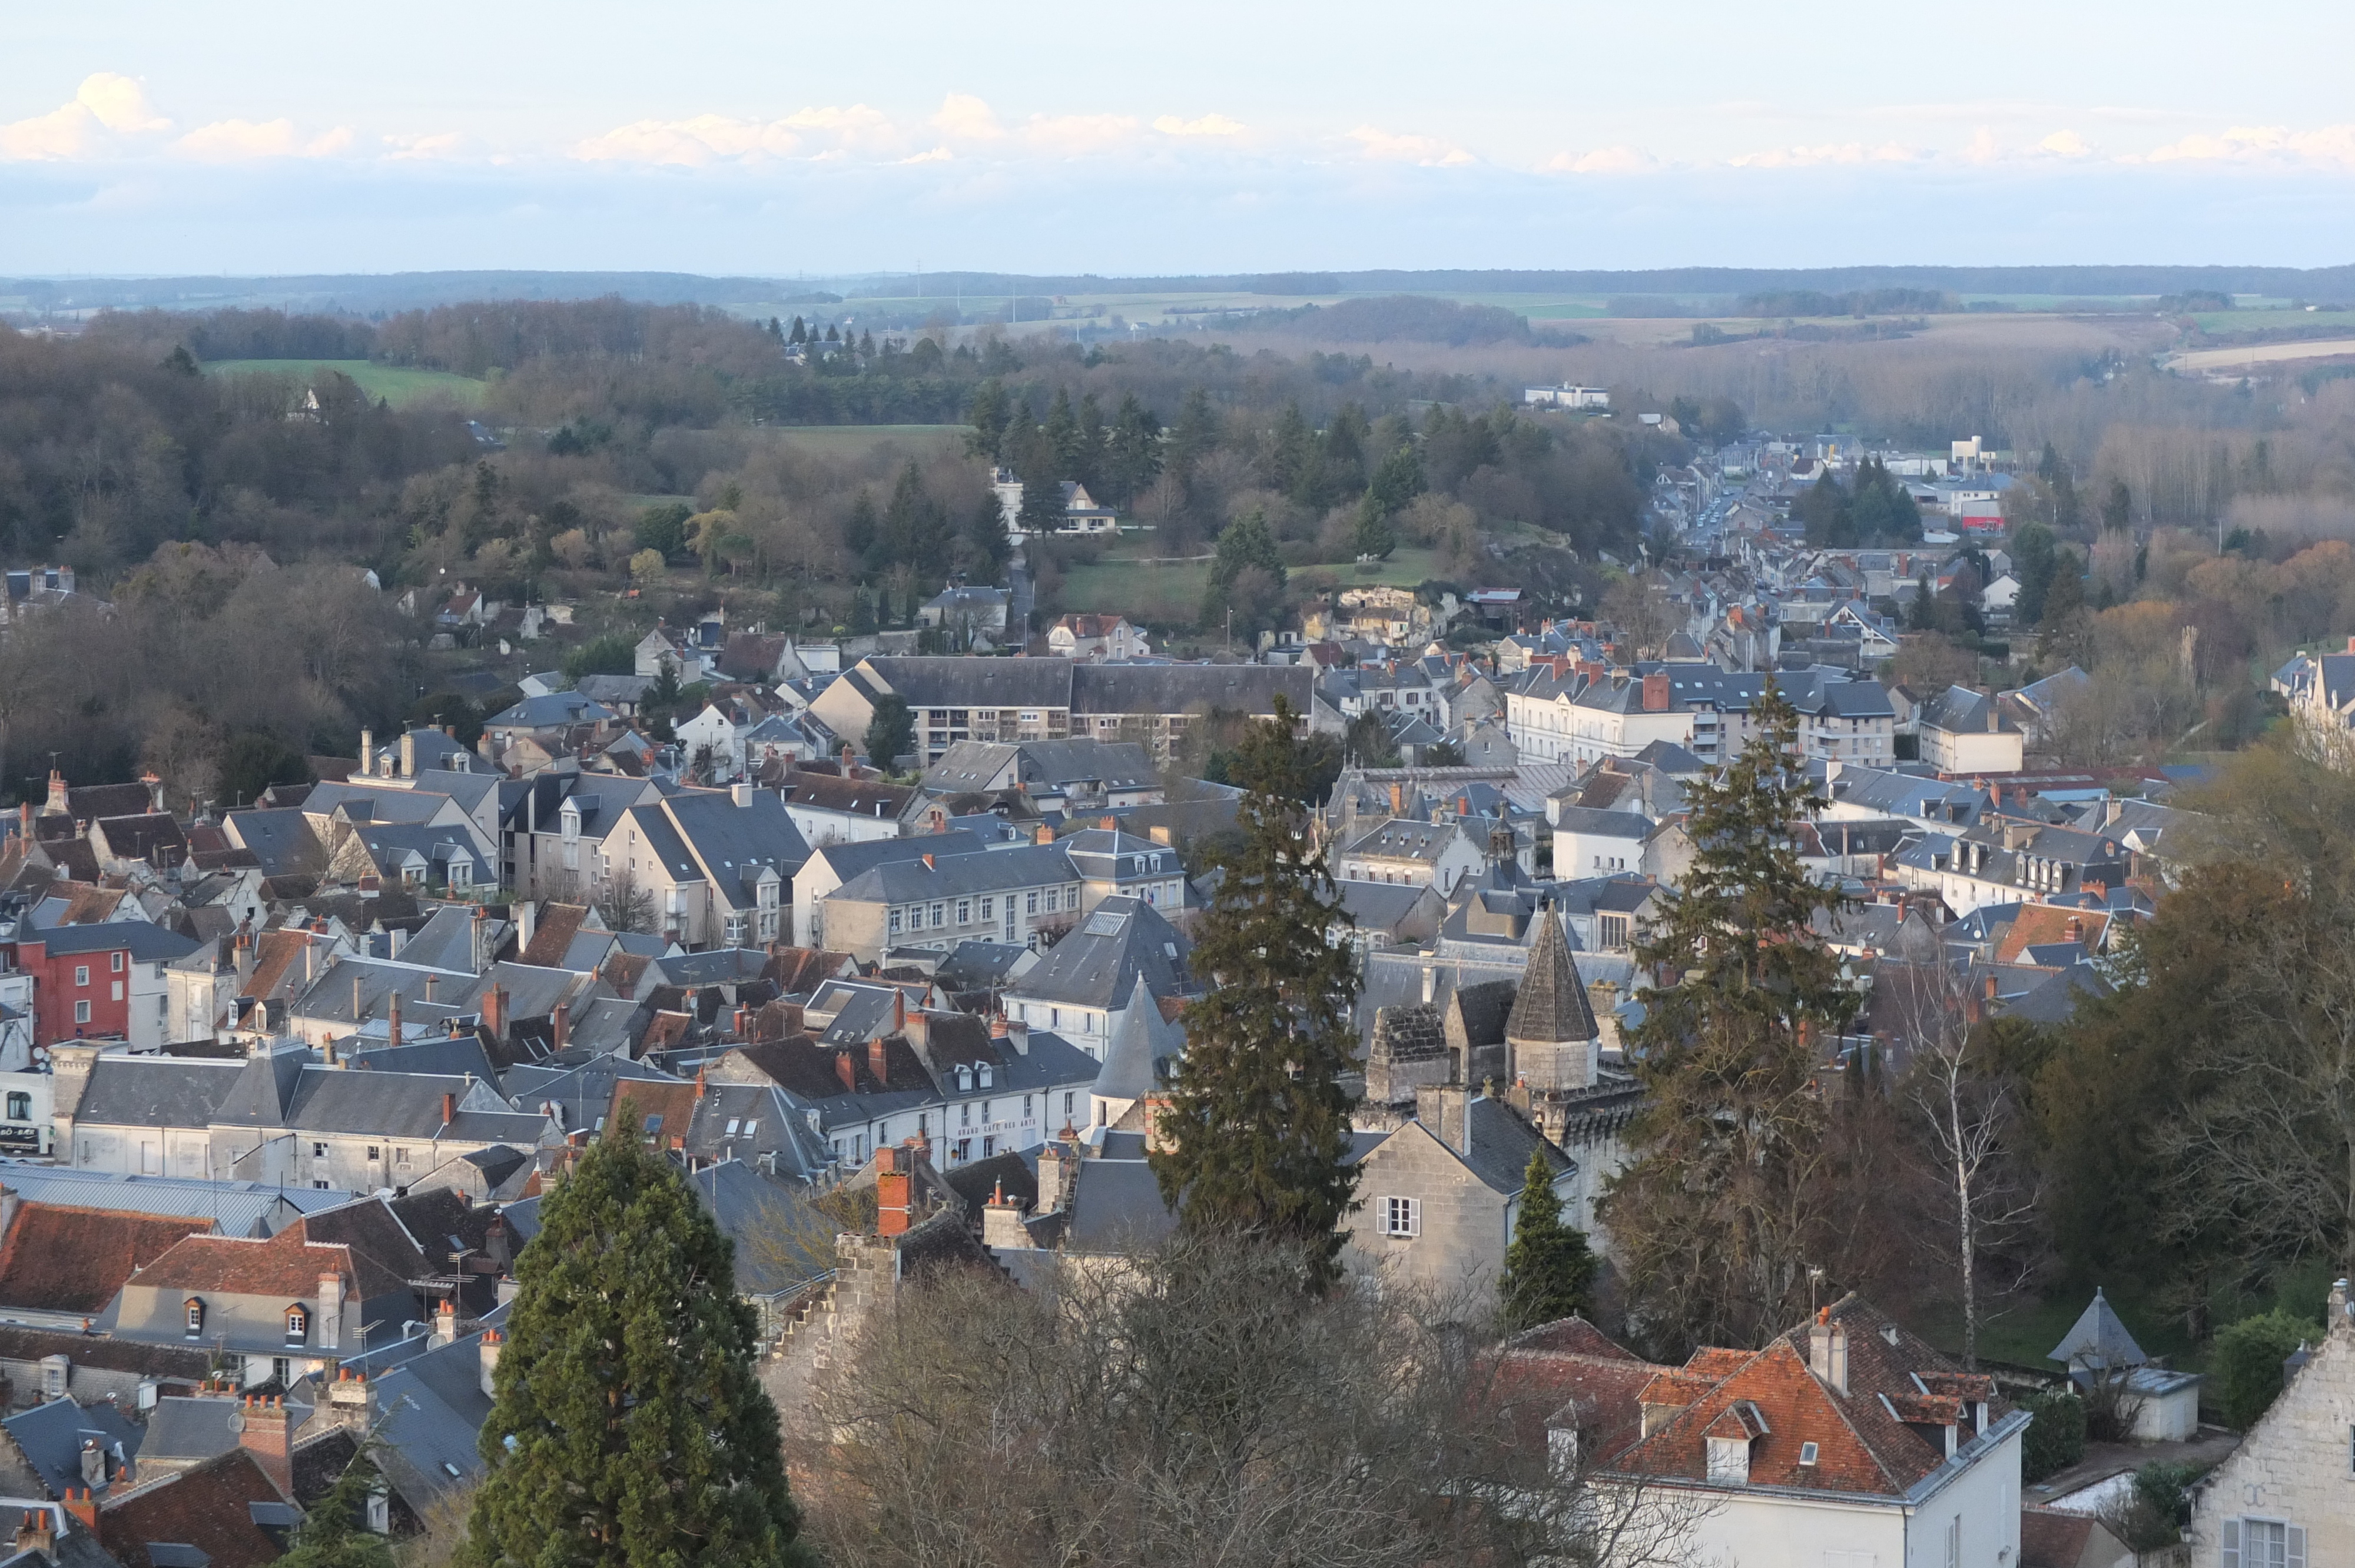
2228 1541
2296 1533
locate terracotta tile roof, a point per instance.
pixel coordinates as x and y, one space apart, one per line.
799 970
277 958
288 1264
63 1259
1570 1336
209 1507
2049 1540
1567 1375
674 1103
2040 925
623 970
666 1031
559 924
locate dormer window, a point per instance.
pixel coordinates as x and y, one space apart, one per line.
195 1316
298 1325
985 1074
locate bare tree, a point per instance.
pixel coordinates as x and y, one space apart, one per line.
1193 1407
623 906
1965 1108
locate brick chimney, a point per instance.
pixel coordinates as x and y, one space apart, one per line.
877 1065
267 1434
491 1343
392 1017
894 1191
494 1012
1656 692
449 1110
80 1503
1043 834
845 1067
445 1323
559 1018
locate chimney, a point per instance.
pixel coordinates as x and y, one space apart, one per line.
1043 835
1018 1031
877 1068
59 805
1828 1349
894 1191
490 1345
1443 1110
494 1012
526 914
1430 981
449 1108
845 1067
476 927
743 1023
740 793
849 770
1001 1222
429 987
929 864
1398 799
445 1323
559 1018
359 1011
1656 692
242 954
267 1434
392 1017
84 1507
37 1531
367 753
93 1463
409 754
331 1311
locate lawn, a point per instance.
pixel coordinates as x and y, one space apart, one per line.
1171 593
858 440
395 384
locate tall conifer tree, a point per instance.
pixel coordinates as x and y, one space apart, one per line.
628 1426
1548 1269
1735 1186
1257 1131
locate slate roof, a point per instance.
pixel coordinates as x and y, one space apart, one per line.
50 1436
155 1091
1403 838
239 1208
1099 962
145 941
2098 1339
1959 710
899 880
1131 1063
60 1259
1158 689
1551 1005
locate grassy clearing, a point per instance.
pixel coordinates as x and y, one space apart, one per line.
395 384
858 440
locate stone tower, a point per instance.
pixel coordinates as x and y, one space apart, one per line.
1552 1043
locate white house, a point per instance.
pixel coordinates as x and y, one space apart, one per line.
1437 856
1966 732
1565 397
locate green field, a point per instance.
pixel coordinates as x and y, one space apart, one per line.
858 440
394 384
1171 594
2300 322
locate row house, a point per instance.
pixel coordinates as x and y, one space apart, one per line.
1013 896
1083 987
715 866
109 980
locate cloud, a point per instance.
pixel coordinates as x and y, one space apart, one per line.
1428 151
968 119
1836 153
445 145
2066 144
1615 160
1207 125
822 132
105 107
237 141
2330 146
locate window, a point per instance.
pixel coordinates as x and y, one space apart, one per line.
1030 903
964 911
318 1151
195 1310
1807 1452
82 1013
1026 1108
373 1153
731 1127
298 1323
939 910
965 1113
2262 1543
1070 897
281 1369
114 961
988 909
20 1106
895 922
399 1155
1067 1104
81 974
961 1149
1954 1542
321 1184
1399 1216
117 993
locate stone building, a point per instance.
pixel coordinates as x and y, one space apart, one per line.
2286 1498
1442 1194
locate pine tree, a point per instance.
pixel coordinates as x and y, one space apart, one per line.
891 733
330 1535
987 413
1062 432
799 333
1257 1133
1133 461
1734 1186
629 1426
1548 1271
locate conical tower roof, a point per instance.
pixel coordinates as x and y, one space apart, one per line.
2099 1340
1127 1072
1550 1008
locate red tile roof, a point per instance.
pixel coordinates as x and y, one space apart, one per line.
63 1259
287 1264
559 924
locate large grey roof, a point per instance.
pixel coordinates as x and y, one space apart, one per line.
1117 1204
959 681
155 1091
50 1436
1098 963
145 941
239 1208
1146 689
901 881
2098 1339
553 711
1130 1069
846 861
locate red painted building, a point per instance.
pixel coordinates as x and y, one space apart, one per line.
100 982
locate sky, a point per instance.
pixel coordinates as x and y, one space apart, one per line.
735 136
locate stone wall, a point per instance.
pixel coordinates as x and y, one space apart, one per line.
2298 1464
1460 1248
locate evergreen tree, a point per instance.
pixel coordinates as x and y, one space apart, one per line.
862 530
987 413
1244 544
800 332
1291 448
1196 435
2117 512
1132 457
982 546
866 345
1734 1186
1549 1270
1062 432
1920 616
2034 559
332 1534
1088 452
833 332
891 733
628 1425
915 529
1257 1133
1374 536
